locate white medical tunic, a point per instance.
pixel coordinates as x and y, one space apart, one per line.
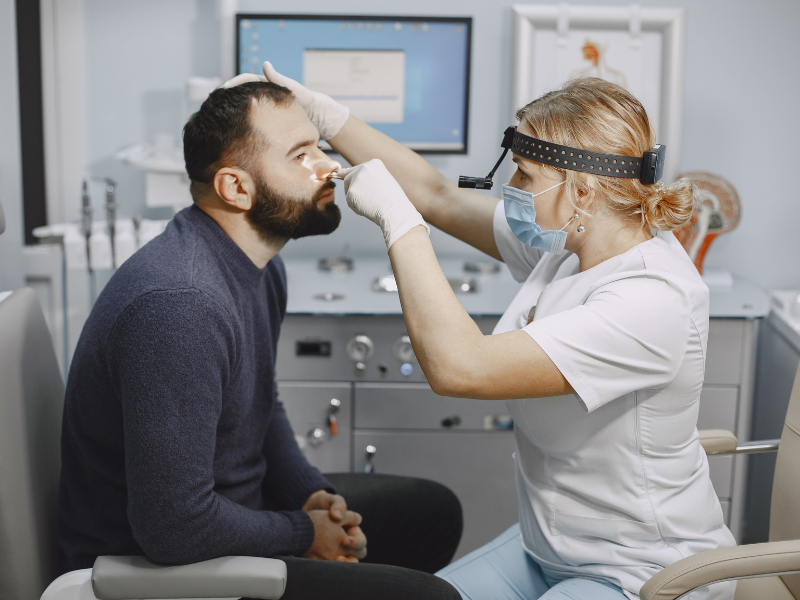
612 481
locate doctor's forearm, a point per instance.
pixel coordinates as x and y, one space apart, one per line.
442 333
465 214
455 356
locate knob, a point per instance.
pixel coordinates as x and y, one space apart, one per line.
316 436
334 406
406 369
402 349
360 348
370 451
383 368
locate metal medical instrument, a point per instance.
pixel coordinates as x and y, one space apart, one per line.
334 175
111 213
647 168
86 226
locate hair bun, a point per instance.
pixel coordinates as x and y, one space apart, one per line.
667 208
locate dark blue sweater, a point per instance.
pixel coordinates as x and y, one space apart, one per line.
174 443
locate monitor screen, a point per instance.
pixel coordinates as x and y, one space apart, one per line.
406 76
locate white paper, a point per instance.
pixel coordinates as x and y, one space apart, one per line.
370 83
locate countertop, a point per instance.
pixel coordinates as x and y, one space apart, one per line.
355 295
352 292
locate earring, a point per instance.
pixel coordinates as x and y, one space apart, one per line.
581 228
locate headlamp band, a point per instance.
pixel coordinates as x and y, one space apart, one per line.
647 168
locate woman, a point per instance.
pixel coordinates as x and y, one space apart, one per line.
605 343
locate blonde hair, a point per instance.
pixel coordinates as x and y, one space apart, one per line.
596 115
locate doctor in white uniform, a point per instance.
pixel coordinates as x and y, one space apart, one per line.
600 357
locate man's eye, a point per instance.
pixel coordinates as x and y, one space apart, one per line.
521 173
300 156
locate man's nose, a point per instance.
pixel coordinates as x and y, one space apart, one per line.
323 167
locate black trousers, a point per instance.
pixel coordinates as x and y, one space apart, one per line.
413 527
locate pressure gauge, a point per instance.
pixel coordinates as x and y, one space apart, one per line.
360 349
402 349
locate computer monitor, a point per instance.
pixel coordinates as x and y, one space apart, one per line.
406 76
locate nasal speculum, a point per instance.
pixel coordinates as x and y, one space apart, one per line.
339 173
332 175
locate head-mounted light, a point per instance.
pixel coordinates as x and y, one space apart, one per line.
647 168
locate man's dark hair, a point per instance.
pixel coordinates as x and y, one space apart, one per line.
220 134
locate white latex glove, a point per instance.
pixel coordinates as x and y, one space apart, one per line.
372 192
327 115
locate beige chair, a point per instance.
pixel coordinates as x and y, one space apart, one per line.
31 402
769 571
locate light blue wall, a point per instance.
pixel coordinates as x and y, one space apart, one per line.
11 276
740 119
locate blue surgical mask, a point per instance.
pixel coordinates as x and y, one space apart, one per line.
521 217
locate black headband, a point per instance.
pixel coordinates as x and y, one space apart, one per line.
647 168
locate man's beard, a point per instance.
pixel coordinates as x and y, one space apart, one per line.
281 217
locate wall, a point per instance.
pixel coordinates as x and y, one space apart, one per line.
739 117
11 241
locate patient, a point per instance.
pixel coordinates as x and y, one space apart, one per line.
175 445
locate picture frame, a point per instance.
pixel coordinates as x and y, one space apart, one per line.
641 48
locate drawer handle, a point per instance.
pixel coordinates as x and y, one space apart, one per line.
450 422
370 467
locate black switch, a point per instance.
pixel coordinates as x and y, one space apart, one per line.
313 348
453 421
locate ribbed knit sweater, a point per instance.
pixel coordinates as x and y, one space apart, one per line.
174 443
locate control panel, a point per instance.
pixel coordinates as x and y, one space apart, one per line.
321 348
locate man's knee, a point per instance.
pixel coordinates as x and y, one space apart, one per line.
348 581
409 522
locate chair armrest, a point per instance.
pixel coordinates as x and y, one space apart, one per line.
722 564
74 585
717 440
721 442
126 577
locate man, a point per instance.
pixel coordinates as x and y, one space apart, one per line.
174 444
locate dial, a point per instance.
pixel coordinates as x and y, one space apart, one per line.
402 349
360 349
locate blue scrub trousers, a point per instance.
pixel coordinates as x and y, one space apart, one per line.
502 570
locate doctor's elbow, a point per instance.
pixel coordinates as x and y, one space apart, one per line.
450 380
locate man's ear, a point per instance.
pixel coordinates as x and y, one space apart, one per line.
235 187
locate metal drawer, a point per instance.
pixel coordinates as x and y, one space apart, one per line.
477 466
307 408
416 406
724 360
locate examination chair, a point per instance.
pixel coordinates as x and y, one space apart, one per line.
31 403
769 571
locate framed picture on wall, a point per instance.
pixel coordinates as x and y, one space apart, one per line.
641 49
